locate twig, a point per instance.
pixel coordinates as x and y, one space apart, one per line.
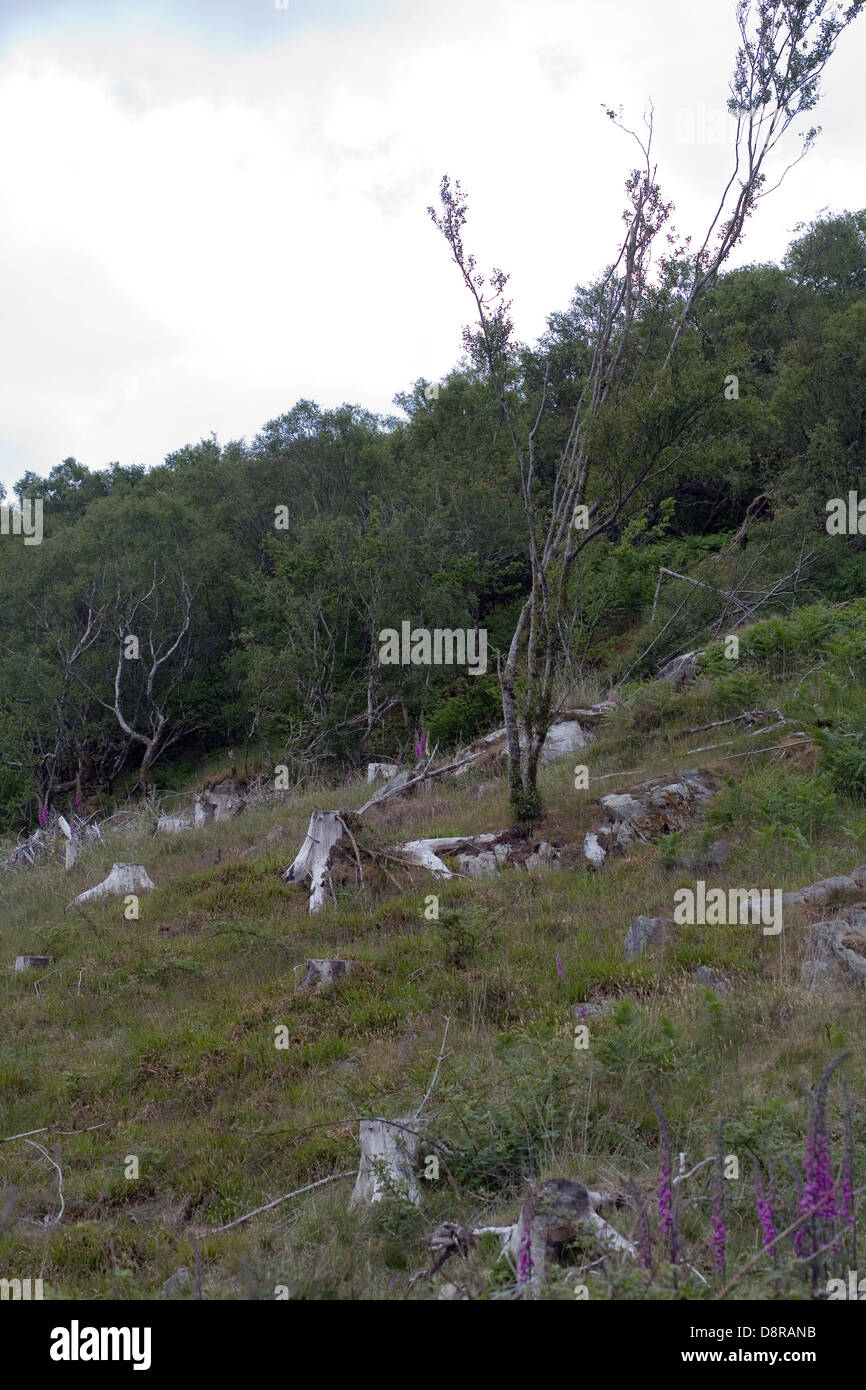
217 1230
45 1129
429 1091
45 1154
37 983
681 1177
354 845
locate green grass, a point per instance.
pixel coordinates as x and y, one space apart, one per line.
165 1050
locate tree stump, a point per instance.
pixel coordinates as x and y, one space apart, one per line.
123 879
549 1220
318 974
313 861
389 1150
30 961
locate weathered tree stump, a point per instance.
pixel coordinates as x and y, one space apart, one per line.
389 1150
123 879
30 961
549 1220
312 864
318 974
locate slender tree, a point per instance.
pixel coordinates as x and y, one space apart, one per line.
784 48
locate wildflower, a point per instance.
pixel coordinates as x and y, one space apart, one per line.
766 1215
43 813
559 970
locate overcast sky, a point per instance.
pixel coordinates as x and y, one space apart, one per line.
212 208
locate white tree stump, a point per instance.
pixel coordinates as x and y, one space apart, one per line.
318 974
123 879
312 863
389 1150
549 1220
173 825
30 961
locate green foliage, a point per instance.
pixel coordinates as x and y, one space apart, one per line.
526 805
460 717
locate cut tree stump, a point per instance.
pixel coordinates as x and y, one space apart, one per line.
123 879
312 863
389 1151
549 1220
30 961
318 974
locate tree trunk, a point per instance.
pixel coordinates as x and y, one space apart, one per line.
389 1150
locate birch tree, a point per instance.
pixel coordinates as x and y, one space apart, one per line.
784 46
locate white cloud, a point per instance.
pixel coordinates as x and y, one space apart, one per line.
194 236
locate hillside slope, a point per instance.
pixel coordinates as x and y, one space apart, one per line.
155 1039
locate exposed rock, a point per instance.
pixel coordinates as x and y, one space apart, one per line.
658 807
719 853
816 973
318 974
545 857
841 885
452 1294
502 852
594 850
563 738
123 879
482 865
176 1283
680 670
645 932
30 961
841 943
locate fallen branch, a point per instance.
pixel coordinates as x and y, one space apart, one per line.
429 1090
217 1230
49 1221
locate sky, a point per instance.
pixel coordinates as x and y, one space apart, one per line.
210 209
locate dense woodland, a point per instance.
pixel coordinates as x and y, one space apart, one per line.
258 627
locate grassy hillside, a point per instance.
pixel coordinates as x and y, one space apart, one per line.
156 1037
